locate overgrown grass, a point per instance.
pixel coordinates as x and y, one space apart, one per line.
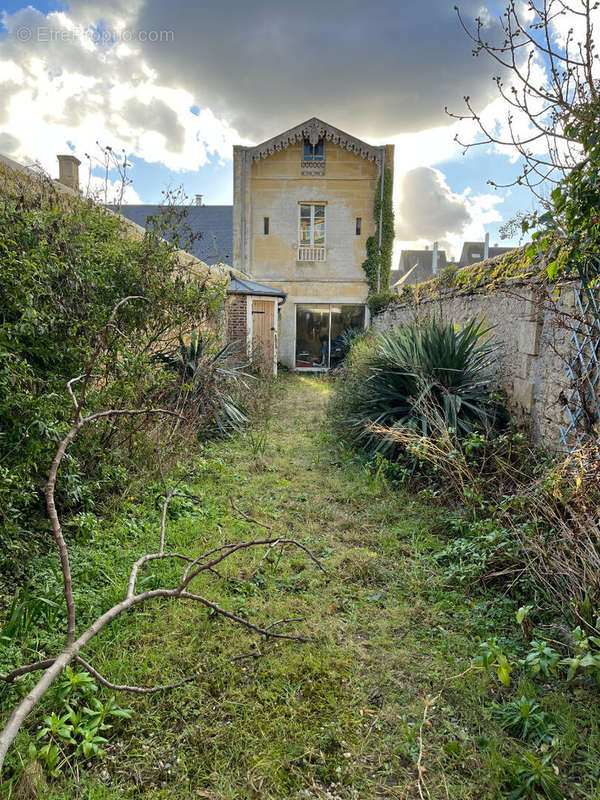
338 716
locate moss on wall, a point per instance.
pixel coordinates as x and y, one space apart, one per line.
518 263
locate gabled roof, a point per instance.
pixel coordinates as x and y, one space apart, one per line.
416 266
422 258
315 129
474 252
215 223
239 285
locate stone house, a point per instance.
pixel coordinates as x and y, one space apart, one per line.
416 266
302 212
474 252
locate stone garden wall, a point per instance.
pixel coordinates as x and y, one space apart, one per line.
531 322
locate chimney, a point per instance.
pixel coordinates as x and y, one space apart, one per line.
199 200
486 247
434 259
68 171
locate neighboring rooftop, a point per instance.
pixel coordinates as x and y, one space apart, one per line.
215 223
417 266
474 252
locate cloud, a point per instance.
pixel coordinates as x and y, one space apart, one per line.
156 116
428 209
265 65
108 191
79 87
8 143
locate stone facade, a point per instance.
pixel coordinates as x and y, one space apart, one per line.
270 181
535 343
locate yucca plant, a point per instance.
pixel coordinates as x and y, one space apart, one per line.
430 377
207 375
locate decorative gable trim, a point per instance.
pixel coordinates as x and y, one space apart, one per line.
315 129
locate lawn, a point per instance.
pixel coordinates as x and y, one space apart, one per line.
345 714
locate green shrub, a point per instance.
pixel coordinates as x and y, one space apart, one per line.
428 377
81 726
65 263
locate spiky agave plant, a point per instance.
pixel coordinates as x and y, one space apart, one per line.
206 376
431 377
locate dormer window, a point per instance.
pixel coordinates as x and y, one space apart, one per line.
314 152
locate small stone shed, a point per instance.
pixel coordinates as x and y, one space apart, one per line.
252 317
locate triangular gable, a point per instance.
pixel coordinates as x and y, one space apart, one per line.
313 130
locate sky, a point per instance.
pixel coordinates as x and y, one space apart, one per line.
174 85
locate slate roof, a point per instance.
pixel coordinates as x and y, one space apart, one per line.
473 253
421 261
215 223
239 285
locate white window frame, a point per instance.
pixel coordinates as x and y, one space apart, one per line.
312 224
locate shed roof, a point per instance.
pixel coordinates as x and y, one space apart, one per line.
239 285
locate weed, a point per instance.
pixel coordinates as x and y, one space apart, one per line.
542 659
534 777
525 719
79 729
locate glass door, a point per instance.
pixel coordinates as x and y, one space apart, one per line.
312 336
344 319
321 333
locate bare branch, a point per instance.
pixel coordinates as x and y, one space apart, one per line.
240 620
9 677
548 145
121 687
144 560
247 518
194 566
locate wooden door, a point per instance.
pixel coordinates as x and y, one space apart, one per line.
263 334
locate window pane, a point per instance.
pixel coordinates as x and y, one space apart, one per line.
305 224
314 152
312 336
308 150
343 319
319 226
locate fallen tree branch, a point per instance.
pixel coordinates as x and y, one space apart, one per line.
52 667
9 677
121 687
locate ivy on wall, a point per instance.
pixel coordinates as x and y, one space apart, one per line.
381 257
